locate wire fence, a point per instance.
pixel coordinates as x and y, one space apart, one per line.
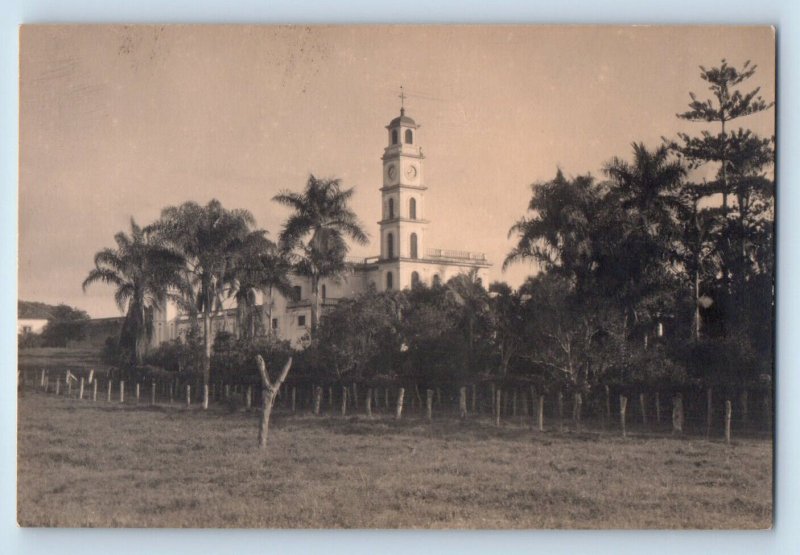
712 411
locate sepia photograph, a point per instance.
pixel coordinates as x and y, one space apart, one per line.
396 277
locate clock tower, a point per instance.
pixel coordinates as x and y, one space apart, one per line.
403 221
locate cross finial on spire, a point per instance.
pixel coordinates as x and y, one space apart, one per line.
402 101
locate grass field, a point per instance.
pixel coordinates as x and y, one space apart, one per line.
72 357
87 464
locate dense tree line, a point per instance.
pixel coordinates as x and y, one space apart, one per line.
645 276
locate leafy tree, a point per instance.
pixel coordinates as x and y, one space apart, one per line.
211 239
145 271
361 338
559 236
66 324
742 158
315 233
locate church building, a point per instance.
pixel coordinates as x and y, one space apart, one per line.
404 258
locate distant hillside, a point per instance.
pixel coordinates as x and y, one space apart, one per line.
34 310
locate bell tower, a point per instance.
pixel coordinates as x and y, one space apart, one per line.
403 197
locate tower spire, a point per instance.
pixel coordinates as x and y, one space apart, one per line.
402 101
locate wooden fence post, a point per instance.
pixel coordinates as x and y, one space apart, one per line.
108 393
386 398
623 405
91 375
368 403
171 392
153 392
677 414
608 403
137 392
498 406
493 397
643 407
94 391
46 383
344 400
727 421
514 403
317 399
462 402
355 396
658 409
206 393
58 386
576 411
429 404
541 413
524 399
399 411
709 409
474 398
248 397
294 399
375 398
122 391
743 404
188 394
69 384
41 379
560 403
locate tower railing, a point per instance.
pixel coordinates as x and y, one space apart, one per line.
455 254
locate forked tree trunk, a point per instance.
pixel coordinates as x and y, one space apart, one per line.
269 392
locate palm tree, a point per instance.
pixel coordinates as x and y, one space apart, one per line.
260 268
145 272
315 233
466 291
210 238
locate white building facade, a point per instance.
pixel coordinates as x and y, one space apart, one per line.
404 258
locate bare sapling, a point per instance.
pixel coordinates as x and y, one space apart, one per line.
269 391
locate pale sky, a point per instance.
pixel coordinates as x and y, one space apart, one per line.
118 122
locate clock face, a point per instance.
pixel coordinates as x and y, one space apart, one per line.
392 172
411 172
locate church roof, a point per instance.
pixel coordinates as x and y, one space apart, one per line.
402 119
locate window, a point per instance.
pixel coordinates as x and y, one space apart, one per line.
437 280
413 245
324 292
389 245
301 321
394 136
409 137
389 281
412 209
414 279
391 209
274 323
297 293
